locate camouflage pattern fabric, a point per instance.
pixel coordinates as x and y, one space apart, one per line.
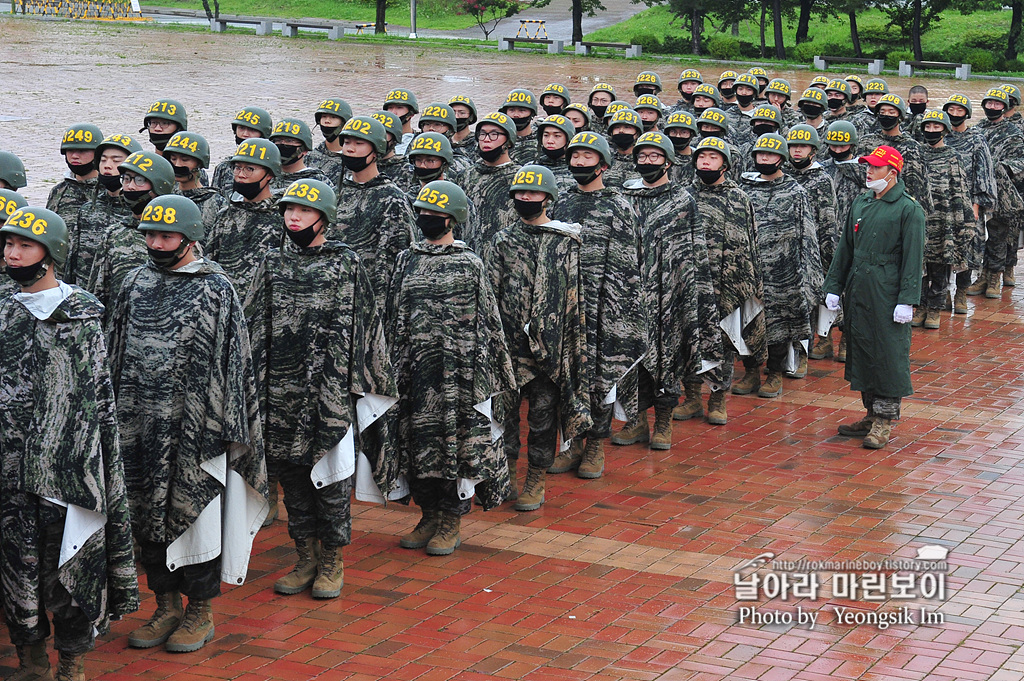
327 161
318 343
59 440
449 353
560 169
94 219
525 148
280 184
949 227
787 244
681 173
1017 119
1006 146
617 324
67 197
848 177
399 170
537 278
866 124
822 192
679 295
210 202
242 234
223 178
186 394
913 174
459 231
466 154
487 188
974 154
376 221
622 170
122 250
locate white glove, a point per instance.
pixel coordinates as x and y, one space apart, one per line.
903 314
832 301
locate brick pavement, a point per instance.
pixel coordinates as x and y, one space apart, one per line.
628 576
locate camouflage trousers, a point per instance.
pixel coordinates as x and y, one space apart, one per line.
884 407
542 418
934 285
324 513
999 253
649 395
199 582
32 530
601 414
435 494
777 353
963 279
728 368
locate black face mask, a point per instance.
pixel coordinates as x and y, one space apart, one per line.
873 109
289 153
137 199
168 259
585 174
840 156
811 111
160 140
933 137
727 92
762 128
331 132
836 103
888 122
993 114
182 172
680 143
698 110
249 190
711 132
553 154
81 169
802 163
709 176
433 226
112 183
744 100
552 109
599 110
649 125
492 155
461 124
522 123
303 237
356 163
30 274
651 172
957 121
623 140
528 210
406 118
687 97
641 91
767 168
238 140
427 174
917 108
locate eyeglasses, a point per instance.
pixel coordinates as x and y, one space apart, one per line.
653 157
129 179
489 136
244 171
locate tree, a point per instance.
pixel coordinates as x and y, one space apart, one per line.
1014 36
489 13
215 14
804 22
590 7
780 47
912 18
380 26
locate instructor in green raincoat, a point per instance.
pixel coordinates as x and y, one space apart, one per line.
877 266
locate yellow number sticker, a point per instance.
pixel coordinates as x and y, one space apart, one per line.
397 95
329 104
439 111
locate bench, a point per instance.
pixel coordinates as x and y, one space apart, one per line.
960 71
632 51
263 26
874 65
554 46
290 29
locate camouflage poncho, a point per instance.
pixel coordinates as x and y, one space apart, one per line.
913 175
281 183
684 337
525 148
329 162
537 278
241 235
622 170
59 440
487 188
186 396
849 178
318 346
560 168
223 178
617 324
399 170
210 202
681 173
1006 144
67 197
465 153
450 357
975 156
787 244
376 221
122 250
94 219
950 226
822 192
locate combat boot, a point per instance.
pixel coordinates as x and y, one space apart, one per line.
931 320
841 353
33 663
822 347
960 301
772 386
994 289
919 315
273 498
330 573
71 667
979 285
801 367
717 415
857 428
532 496
662 438
750 383
881 429
195 630
161 625
691 406
423 532
637 431
592 465
302 575
447 538
1008 278
569 460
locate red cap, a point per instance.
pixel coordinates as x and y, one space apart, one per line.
884 156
